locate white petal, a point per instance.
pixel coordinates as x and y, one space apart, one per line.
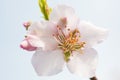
49 43
46 43
35 41
43 28
43 31
48 63
63 11
92 34
83 64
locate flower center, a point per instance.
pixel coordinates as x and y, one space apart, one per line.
68 43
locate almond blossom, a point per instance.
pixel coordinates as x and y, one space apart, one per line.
64 39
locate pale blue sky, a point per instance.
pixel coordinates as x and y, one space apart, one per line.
15 64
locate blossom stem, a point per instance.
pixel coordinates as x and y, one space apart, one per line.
93 78
44 8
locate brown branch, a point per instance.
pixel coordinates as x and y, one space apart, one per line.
93 78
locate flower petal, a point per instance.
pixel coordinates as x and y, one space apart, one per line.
35 41
48 63
43 28
92 34
31 43
49 43
27 46
61 12
83 64
46 43
44 32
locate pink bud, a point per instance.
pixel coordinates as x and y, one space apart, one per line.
26 24
25 44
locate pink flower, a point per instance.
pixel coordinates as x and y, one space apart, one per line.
65 40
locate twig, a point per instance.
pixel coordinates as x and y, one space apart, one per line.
93 78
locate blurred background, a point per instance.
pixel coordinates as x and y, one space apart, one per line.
15 63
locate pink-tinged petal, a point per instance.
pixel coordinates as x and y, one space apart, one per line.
43 28
44 31
64 15
61 11
92 34
49 43
27 46
31 43
83 64
48 63
45 43
35 41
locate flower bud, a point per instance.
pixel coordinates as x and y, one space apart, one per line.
26 25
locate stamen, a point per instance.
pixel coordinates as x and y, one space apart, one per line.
60 31
70 42
56 38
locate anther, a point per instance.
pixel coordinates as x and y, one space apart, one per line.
68 29
59 28
65 26
53 34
